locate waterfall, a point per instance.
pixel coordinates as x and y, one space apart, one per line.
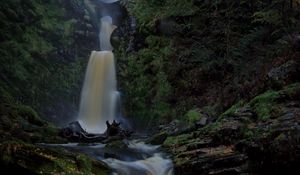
105 32
99 94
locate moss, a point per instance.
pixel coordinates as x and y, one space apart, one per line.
280 137
48 161
233 108
210 128
181 160
292 90
176 140
157 139
193 116
50 130
262 104
83 163
248 134
30 115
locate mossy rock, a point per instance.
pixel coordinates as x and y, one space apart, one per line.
39 160
265 103
118 144
192 116
291 91
157 139
233 108
177 140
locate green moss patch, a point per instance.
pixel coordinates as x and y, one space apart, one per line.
263 104
193 116
39 160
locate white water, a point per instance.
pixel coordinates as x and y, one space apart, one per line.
106 30
109 1
138 159
155 164
99 94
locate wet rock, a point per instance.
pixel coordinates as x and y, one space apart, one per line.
157 139
111 155
284 74
228 131
214 160
174 127
202 122
245 112
119 144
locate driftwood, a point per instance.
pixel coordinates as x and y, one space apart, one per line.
74 132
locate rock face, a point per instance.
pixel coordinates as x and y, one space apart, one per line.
242 141
285 73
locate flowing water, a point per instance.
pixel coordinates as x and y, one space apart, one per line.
106 30
99 93
138 159
100 102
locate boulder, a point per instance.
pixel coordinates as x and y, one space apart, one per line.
157 139
118 144
202 122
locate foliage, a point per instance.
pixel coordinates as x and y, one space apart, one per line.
149 11
39 64
218 55
148 81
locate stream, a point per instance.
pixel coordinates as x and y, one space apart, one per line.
136 158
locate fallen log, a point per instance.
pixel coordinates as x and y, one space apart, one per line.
74 132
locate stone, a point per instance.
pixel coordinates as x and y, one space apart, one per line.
157 139
202 122
284 74
119 144
245 112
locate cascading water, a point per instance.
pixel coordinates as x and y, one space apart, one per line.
99 94
137 159
100 101
153 163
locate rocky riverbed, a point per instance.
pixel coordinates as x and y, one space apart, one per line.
240 141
